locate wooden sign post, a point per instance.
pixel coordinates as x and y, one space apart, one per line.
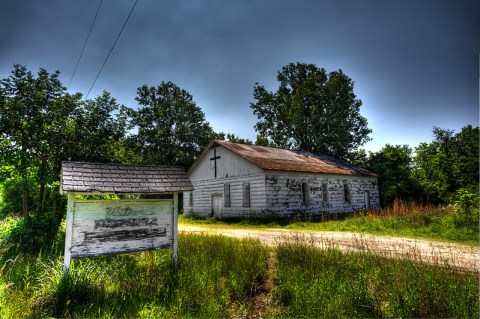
99 227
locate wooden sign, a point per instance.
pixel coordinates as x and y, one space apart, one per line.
120 226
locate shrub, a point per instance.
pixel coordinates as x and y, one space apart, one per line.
466 208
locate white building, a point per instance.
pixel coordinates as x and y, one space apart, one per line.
235 180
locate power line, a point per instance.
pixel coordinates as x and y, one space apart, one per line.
85 44
113 46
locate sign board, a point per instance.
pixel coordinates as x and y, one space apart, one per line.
119 226
109 227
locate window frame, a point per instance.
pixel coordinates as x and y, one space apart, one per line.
306 200
246 194
226 195
325 192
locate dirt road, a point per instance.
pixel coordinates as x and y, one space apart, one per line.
434 252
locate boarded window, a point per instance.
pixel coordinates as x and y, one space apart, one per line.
246 194
346 193
190 199
305 194
325 192
226 194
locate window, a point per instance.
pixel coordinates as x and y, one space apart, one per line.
246 194
226 194
346 193
305 194
190 199
325 192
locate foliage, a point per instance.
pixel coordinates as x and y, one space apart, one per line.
467 208
331 284
448 163
434 174
172 129
42 125
311 111
393 164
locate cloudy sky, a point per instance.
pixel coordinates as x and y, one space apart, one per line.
415 63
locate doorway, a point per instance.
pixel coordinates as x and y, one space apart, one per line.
366 196
217 206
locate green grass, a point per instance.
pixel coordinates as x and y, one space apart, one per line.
331 284
220 277
213 273
421 222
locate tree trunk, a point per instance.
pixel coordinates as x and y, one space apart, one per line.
25 208
55 206
41 191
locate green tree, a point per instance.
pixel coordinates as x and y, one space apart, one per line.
448 163
311 111
101 126
465 151
27 103
172 129
41 125
393 164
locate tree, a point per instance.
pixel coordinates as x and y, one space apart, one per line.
100 124
465 150
172 129
450 162
41 125
26 108
311 111
393 164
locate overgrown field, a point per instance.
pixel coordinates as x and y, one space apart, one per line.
223 277
403 219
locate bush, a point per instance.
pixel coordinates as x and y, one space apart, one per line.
466 208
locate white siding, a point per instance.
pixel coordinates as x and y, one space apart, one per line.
228 165
202 196
233 169
284 192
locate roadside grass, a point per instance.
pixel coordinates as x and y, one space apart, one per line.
220 277
213 273
403 219
330 284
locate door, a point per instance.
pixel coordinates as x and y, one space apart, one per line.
366 195
217 206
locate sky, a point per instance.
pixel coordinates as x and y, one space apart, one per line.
415 63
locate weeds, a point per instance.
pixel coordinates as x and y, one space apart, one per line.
329 283
212 274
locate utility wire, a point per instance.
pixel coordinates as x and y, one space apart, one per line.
85 44
113 46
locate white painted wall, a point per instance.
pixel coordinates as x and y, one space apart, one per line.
233 169
202 196
228 165
284 192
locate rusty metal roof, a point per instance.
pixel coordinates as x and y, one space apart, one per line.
119 178
269 158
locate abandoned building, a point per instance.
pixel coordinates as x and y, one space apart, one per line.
236 180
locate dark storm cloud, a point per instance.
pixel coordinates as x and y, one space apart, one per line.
414 63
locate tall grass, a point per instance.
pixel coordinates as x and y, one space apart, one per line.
213 273
329 283
222 277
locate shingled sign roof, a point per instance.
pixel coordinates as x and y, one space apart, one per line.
82 177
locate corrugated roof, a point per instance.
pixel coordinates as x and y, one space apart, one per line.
119 178
269 158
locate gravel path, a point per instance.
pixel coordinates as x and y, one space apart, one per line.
433 252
